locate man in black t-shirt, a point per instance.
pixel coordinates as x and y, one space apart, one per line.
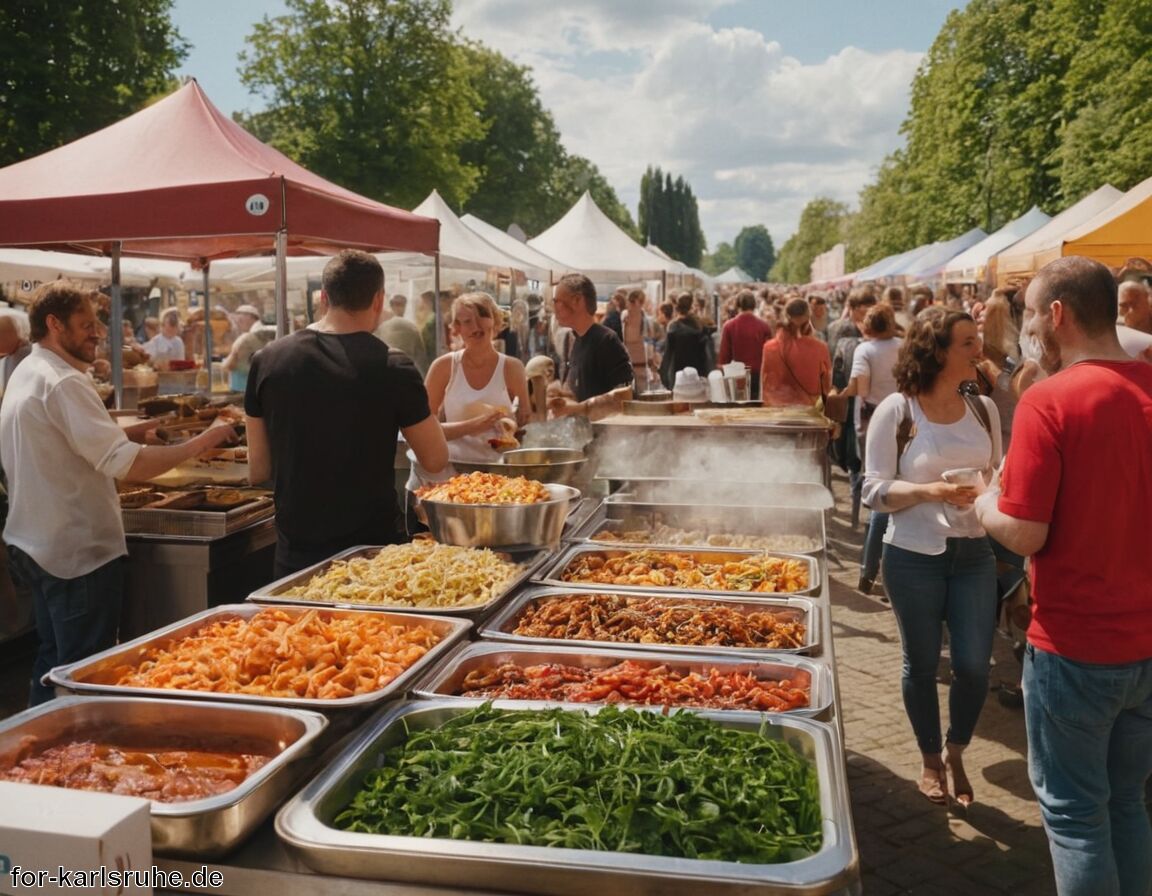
599 369
324 408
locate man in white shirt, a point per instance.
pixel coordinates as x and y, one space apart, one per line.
62 453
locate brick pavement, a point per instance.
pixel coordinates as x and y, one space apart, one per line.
908 845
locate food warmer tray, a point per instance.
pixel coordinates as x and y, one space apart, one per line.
723 493
551 574
304 825
273 593
444 681
709 519
93 675
502 625
196 523
203 828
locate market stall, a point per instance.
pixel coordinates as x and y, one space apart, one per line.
758 575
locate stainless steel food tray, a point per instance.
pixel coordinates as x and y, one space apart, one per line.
273 593
445 680
305 825
200 828
94 674
708 519
196 523
723 493
551 573
501 627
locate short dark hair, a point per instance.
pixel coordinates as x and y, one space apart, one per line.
746 300
58 298
1085 287
919 363
860 297
580 285
352 279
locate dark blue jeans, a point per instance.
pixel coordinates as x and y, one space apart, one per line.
873 544
75 618
957 589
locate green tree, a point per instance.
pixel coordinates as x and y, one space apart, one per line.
669 216
69 69
575 175
821 227
755 252
719 261
368 93
517 149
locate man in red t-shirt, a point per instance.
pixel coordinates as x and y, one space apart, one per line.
1075 493
743 338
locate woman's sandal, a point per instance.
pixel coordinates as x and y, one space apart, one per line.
962 786
934 785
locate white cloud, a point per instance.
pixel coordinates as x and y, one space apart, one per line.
755 132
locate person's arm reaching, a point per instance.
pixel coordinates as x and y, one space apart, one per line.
426 439
152 460
259 454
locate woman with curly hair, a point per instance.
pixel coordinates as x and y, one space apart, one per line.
924 444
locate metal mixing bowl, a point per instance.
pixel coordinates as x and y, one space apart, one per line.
502 525
559 465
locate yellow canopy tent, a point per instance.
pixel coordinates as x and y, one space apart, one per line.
1121 231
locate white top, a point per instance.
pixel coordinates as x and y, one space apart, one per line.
459 397
934 448
62 451
876 359
161 348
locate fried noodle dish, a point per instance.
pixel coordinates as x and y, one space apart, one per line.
656 620
421 574
279 653
670 569
485 488
635 681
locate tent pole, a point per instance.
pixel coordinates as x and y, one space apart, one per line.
281 283
439 318
116 336
207 325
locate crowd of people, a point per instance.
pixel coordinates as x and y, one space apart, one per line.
979 432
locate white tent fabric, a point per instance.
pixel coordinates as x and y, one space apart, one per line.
536 261
19 265
459 245
588 241
885 266
1021 257
734 274
971 263
934 260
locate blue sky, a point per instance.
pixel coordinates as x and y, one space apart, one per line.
762 105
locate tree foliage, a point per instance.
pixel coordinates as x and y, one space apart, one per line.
669 217
754 251
821 227
69 69
720 260
1017 103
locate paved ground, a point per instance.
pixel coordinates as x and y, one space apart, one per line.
908 845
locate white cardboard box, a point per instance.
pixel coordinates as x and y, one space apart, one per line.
55 840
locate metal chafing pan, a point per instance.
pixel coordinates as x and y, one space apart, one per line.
502 625
198 828
305 825
789 524
274 592
95 674
446 679
724 493
551 574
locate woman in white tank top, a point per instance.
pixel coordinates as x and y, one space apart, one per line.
473 390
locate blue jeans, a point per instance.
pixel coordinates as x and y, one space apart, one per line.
957 589
1089 754
75 618
873 544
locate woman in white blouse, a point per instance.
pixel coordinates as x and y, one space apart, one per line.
938 566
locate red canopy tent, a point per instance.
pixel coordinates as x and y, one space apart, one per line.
179 180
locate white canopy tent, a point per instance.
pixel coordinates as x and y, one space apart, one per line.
931 263
586 240
972 263
32 266
734 274
535 262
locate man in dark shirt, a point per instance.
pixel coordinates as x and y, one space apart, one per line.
324 408
599 369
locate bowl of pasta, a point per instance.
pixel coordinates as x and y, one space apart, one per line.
559 465
487 510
